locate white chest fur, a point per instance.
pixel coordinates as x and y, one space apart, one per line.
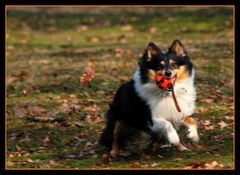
161 102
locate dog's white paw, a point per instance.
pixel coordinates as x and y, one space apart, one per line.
192 134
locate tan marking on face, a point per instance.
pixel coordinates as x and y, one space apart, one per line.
190 121
162 62
181 73
152 75
171 61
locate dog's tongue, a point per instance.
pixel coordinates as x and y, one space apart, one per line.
164 83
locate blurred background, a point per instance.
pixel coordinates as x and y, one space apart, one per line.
53 121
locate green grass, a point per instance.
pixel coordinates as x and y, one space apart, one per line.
52 47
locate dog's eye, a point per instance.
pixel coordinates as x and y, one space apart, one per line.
160 66
173 64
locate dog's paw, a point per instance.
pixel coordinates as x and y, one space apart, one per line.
192 134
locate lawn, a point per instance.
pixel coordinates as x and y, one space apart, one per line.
53 121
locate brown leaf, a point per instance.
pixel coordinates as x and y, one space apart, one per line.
208 128
222 124
27 90
127 28
207 122
208 101
46 141
106 159
153 30
83 136
228 118
36 110
44 62
87 76
20 74
95 40
82 28
178 159
21 112
135 164
196 164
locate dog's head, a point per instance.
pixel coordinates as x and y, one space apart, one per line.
175 63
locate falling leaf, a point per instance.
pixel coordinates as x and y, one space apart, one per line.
222 124
87 76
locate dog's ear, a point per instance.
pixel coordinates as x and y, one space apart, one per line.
152 51
177 48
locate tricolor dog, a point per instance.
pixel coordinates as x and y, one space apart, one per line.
158 99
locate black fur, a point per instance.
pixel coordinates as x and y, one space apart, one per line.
128 107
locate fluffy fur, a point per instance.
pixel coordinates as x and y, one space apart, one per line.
141 104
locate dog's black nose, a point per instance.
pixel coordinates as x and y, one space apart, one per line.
168 74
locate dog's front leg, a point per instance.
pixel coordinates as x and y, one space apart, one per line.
162 126
192 132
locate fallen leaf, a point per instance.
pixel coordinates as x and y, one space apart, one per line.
208 101
95 40
127 28
222 124
46 141
82 28
135 164
29 160
21 112
106 159
27 90
228 118
154 165
178 159
208 128
44 62
207 122
20 74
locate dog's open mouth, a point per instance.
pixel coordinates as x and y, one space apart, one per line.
165 83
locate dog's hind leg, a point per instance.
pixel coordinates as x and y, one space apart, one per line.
115 143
